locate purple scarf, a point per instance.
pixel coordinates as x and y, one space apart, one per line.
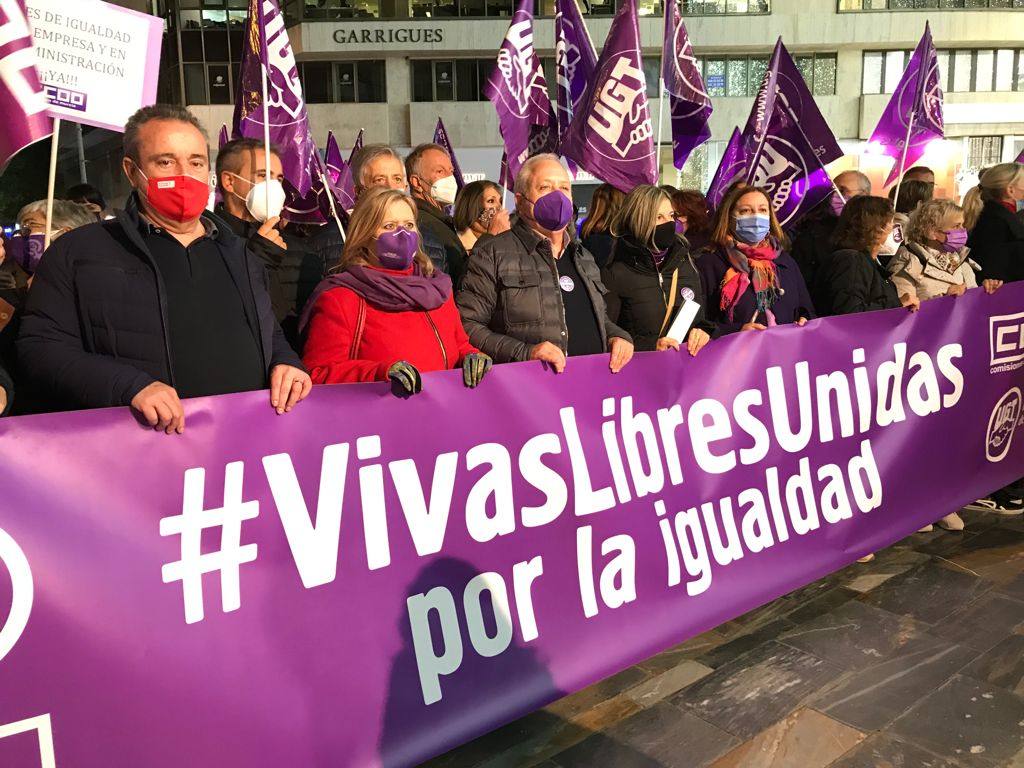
386 290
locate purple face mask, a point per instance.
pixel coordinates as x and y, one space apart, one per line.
25 251
553 211
681 226
397 249
955 240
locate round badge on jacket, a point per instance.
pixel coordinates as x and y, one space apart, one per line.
687 294
566 283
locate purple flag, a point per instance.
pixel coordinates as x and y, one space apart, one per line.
913 116
731 168
441 138
339 176
356 146
223 137
519 92
266 46
1020 157
689 103
575 62
306 209
23 101
787 141
611 135
369 582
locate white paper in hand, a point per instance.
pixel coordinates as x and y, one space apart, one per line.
684 319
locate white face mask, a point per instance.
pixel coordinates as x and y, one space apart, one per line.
444 190
256 200
892 242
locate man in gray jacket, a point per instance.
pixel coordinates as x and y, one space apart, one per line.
534 293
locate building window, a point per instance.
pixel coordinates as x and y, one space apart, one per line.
723 7
343 82
819 71
319 10
984 151
960 70
450 79
926 5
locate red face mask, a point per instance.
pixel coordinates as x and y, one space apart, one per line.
178 198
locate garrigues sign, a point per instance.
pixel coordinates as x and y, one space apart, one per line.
400 36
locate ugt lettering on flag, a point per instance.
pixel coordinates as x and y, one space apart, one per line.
787 141
22 99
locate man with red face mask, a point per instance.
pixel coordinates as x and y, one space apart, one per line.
162 302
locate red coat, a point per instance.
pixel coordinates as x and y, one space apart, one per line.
431 341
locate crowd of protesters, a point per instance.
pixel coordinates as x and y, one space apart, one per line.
122 309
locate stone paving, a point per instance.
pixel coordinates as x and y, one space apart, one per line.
915 660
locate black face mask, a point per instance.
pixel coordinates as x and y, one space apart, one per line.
665 235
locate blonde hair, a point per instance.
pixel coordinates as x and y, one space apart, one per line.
604 206
991 187
929 216
639 214
723 228
367 217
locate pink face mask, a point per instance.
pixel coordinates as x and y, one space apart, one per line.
955 240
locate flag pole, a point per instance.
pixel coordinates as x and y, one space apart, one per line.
330 202
903 158
803 135
661 85
52 185
266 116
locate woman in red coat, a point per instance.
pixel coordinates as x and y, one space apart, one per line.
386 313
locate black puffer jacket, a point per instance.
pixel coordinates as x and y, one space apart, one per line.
292 273
510 299
639 294
812 246
7 385
997 244
94 331
850 281
438 230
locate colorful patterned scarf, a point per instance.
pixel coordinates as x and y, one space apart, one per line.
751 265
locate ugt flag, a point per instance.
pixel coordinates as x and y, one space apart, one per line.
307 208
441 139
913 116
575 62
266 47
519 92
339 176
689 104
731 168
356 146
611 135
22 99
787 141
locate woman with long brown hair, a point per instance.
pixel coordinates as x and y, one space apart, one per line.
386 312
596 232
751 281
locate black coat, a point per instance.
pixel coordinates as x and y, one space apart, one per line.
794 303
599 243
437 228
997 244
812 246
851 281
639 293
94 331
7 385
292 274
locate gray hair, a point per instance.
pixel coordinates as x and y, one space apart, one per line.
155 112
863 182
66 213
526 171
412 162
365 157
928 216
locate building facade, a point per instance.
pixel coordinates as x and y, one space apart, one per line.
394 66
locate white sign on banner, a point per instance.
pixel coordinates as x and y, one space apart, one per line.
98 63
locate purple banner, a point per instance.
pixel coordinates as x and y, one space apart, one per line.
23 101
689 104
475 554
913 116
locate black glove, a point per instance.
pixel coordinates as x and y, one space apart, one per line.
406 377
474 366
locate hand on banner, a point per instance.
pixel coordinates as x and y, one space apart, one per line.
3 399
910 302
500 223
621 353
696 340
474 368
753 327
160 407
801 322
665 343
288 386
956 290
991 286
406 376
269 231
548 353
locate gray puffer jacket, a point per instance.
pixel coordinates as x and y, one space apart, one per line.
510 298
